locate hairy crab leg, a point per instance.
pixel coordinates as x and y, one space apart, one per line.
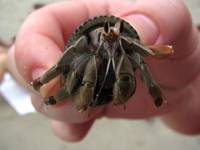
154 89
80 47
71 81
63 63
86 91
125 84
46 77
76 72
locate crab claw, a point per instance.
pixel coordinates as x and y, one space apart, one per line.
86 96
86 91
124 85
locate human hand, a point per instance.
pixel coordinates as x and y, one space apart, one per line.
41 40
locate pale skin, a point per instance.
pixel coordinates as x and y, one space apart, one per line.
40 43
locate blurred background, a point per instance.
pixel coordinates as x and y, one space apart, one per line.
31 131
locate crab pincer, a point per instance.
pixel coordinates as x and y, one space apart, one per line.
87 90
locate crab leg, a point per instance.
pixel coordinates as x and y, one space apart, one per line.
125 84
49 75
63 64
86 91
80 47
70 82
154 89
76 73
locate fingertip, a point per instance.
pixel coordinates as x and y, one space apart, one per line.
38 52
167 23
71 132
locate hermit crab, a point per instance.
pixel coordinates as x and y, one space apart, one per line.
99 63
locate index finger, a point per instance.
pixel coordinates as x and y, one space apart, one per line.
42 37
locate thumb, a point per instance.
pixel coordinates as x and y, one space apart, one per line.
167 22
162 22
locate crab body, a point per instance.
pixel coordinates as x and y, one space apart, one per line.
99 62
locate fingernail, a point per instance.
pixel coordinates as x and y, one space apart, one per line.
145 27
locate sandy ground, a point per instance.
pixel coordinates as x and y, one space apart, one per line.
32 132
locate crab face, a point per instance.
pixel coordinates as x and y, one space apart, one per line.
99 63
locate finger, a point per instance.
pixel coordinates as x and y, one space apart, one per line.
174 28
13 70
40 43
71 132
46 35
66 112
156 27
